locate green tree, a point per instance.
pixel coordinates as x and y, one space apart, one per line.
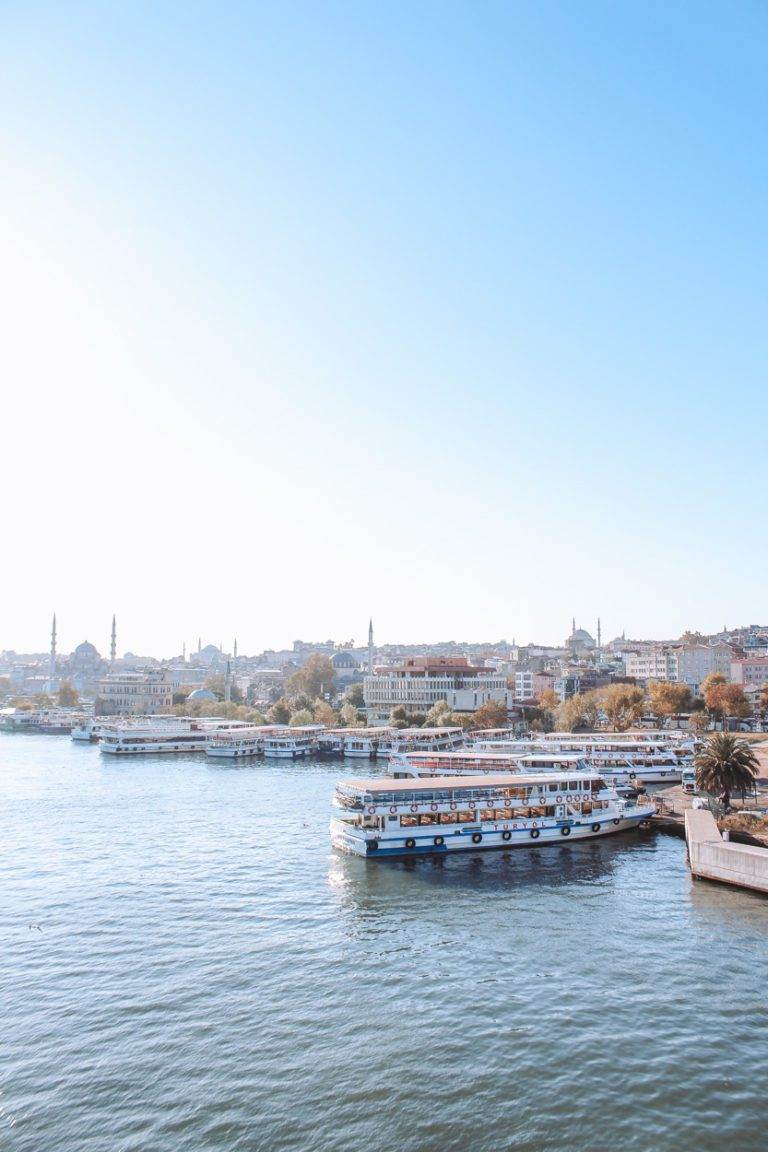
315 678
725 765
434 717
348 715
492 714
666 699
302 717
622 705
355 696
398 718
67 696
699 720
324 714
279 713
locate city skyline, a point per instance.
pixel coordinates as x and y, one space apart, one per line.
459 319
187 649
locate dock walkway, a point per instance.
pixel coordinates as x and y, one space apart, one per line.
713 858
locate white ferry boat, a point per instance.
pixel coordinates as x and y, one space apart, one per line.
649 761
420 740
183 736
237 743
293 743
384 816
362 743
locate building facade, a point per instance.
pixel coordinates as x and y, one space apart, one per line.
422 681
751 672
136 693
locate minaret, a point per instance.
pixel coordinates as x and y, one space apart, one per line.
228 684
234 650
52 661
573 626
199 645
370 647
113 643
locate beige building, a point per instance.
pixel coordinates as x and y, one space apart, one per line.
421 681
750 672
136 693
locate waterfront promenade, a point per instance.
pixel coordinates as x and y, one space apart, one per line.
712 857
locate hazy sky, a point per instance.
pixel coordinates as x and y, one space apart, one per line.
452 314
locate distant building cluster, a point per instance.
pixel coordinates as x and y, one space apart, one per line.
408 677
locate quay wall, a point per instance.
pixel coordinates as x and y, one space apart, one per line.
712 858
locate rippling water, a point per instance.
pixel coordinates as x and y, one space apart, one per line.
185 965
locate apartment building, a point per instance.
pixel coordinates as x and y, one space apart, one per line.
136 693
421 681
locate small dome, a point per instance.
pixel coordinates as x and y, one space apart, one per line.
201 694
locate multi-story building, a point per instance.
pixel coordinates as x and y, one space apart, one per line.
136 693
651 664
419 682
684 663
529 685
752 671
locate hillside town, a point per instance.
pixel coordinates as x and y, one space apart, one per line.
697 679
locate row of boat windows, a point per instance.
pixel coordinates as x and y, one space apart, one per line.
512 793
468 816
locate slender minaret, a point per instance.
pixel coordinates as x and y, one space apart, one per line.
234 650
228 684
370 647
184 652
113 643
573 626
52 660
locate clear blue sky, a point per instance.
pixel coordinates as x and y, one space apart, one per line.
453 314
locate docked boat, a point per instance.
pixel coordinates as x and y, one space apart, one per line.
238 743
131 738
420 740
385 816
292 743
648 760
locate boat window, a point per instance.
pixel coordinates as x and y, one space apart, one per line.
408 821
553 787
487 814
429 818
464 817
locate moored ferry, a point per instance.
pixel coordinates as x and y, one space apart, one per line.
292 743
129 738
238 743
651 761
385 816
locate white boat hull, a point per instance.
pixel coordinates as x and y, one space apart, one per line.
359 843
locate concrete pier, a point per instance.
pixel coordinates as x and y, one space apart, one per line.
712 858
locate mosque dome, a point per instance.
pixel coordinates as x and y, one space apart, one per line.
201 694
580 638
86 651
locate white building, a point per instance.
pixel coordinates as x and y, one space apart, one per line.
651 664
136 693
421 681
683 663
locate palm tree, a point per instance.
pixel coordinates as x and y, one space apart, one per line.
726 765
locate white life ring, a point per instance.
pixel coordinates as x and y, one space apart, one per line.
371 809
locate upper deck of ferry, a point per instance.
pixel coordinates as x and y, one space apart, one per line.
385 786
